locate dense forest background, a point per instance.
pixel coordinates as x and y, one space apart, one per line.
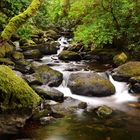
95 23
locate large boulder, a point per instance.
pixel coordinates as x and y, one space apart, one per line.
48 76
69 55
126 71
90 84
15 94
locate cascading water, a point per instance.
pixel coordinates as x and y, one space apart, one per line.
121 96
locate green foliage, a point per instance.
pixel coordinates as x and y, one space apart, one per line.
25 31
107 22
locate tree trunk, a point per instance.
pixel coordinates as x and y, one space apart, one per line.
18 20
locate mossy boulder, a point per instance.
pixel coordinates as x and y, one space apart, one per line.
120 59
52 34
69 55
26 42
23 66
90 84
32 54
48 76
126 71
6 49
17 55
6 61
15 94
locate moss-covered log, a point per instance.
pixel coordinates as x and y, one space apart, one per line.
18 20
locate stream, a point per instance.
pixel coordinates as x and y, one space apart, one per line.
82 125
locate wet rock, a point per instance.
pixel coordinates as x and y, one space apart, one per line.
48 76
11 123
120 59
135 84
7 61
49 93
68 107
38 114
50 48
32 80
134 80
32 54
126 71
82 105
136 88
46 120
104 111
69 55
90 84
23 66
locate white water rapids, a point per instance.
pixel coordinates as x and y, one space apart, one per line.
120 97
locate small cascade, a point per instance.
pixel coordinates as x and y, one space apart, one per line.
63 43
120 97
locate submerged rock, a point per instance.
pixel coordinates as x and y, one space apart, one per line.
68 107
104 111
126 71
69 55
90 84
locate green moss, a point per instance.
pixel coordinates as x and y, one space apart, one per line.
6 49
120 59
18 20
45 74
18 55
6 61
95 81
130 69
69 55
15 93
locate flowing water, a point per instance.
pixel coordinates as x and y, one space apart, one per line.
84 124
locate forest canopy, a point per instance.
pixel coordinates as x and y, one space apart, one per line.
95 23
